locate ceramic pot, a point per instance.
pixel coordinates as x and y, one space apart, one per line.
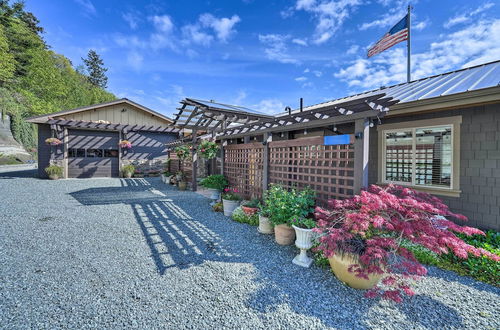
182 185
304 243
284 234
340 265
214 194
229 207
249 210
127 175
265 226
54 177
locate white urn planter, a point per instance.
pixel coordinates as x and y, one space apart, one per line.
229 206
304 243
214 194
265 226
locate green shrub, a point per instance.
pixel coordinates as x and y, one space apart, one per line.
128 169
54 170
240 216
215 181
282 204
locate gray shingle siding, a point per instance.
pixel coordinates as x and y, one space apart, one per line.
479 162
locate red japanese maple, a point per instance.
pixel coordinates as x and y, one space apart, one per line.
374 224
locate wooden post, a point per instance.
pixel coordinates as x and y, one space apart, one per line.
268 137
194 164
223 143
361 153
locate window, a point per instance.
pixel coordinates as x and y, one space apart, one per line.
94 152
72 153
111 153
425 154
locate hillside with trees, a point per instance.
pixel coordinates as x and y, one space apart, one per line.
35 80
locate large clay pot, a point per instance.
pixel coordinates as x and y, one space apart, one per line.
229 207
340 265
284 234
54 177
182 185
265 226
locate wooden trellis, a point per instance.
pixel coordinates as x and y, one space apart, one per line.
243 166
177 165
328 170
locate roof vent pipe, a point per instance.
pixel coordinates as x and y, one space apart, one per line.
301 104
289 110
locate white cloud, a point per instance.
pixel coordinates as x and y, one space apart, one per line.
300 42
317 73
170 97
270 106
329 15
242 95
306 70
87 5
276 48
132 19
300 79
477 43
390 18
223 27
467 16
135 60
193 33
352 50
163 23
421 25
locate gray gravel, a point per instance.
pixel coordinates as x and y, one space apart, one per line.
114 253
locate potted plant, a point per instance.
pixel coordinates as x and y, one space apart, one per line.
128 170
184 151
250 207
125 144
304 233
54 171
208 149
215 184
285 204
230 200
181 180
165 177
363 238
265 226
53 141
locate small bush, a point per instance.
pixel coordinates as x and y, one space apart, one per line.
128 168
218 207
215 181
240 216
54 170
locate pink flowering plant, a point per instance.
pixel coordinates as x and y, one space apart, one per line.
231 194
53 141
125 144
184 151
208 149
374 225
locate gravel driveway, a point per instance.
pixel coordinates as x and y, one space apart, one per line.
135 253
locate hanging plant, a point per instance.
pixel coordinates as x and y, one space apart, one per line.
125 144
53 141
184 151
208 149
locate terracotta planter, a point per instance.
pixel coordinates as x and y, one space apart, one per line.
182 185
340 265
229 207
249 210
54 177
284 234
304 243
265 226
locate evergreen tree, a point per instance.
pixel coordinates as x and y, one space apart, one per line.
96 70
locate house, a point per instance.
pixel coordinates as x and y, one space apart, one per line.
439 134
91 138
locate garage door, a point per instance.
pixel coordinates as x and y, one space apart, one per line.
92 154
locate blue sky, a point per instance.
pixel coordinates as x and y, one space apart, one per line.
264 54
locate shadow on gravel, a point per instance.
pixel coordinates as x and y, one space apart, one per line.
179 238
175 239
31 173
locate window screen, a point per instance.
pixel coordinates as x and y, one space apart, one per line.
433 156
399 156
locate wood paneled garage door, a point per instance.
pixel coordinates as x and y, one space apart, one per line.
92 154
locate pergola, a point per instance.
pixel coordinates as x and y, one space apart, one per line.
223 122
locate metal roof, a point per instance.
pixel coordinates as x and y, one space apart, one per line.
455 82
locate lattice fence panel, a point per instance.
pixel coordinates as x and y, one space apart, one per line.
177 165
243 166
328 170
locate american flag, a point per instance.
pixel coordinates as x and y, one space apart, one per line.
398 33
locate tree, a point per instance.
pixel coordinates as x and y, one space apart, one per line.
96 70
7 64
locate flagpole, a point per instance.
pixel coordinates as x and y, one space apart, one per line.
408 42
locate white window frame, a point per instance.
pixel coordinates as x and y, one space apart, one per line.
454 122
